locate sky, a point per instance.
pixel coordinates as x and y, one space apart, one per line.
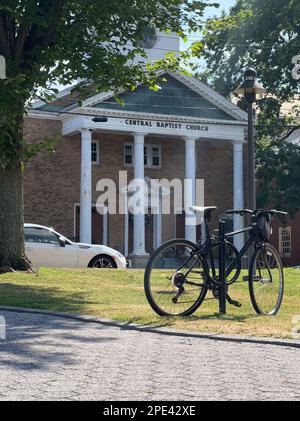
209 13
224 5
213 11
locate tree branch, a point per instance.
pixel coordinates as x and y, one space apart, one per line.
11 29
39 35
4 43
54 21
21 38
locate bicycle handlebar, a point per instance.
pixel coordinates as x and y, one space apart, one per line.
241 212
257 212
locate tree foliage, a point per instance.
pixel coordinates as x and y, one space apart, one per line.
264 34
46 42
49 42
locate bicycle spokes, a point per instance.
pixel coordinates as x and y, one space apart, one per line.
266 284
175 282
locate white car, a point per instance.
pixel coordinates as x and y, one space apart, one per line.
46 247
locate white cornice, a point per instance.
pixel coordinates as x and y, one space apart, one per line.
43 115
89 111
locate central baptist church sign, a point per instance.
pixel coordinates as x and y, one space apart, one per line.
167 125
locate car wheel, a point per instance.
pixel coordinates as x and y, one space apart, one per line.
103 262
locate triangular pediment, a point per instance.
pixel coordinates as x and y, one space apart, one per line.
174 98
179 96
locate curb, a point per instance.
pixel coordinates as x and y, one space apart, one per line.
157 330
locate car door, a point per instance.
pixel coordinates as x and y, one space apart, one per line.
44 249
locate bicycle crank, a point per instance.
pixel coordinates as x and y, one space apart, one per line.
233 302
178 295
216 294
178 280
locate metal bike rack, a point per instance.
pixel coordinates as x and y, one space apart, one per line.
222 270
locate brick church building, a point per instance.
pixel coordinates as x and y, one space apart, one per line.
186 130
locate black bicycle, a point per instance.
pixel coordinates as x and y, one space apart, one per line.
180 273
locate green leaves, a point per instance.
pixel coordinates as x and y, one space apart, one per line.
47 42
264 34
46 145
260 33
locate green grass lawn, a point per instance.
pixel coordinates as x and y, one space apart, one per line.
119 295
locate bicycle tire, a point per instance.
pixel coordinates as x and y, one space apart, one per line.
147 281
267 251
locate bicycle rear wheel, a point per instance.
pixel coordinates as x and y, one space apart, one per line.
266 280
174 281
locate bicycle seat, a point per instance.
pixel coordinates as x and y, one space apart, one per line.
203 209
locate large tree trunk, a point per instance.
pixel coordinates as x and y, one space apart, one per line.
12 248
12 244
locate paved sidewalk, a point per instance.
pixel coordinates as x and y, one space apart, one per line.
53 358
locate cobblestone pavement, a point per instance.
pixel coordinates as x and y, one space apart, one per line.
53 358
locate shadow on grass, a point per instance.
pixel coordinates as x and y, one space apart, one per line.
43 298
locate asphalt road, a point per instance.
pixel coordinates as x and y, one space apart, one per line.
53 358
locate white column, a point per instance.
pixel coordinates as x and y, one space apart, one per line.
158 223
86 187
139 174
105 227
238 186
190 188
126 225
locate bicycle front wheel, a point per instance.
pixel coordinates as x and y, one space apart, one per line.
174 280
266 280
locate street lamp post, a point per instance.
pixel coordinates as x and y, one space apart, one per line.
250 88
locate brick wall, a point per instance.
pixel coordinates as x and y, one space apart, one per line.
52 180
294 223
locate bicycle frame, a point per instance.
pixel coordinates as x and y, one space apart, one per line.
203 248
251 240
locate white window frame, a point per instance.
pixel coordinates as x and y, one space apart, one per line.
149 148
124 154
96 142
150 155
285 242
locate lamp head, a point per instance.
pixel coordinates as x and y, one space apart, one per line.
250 88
